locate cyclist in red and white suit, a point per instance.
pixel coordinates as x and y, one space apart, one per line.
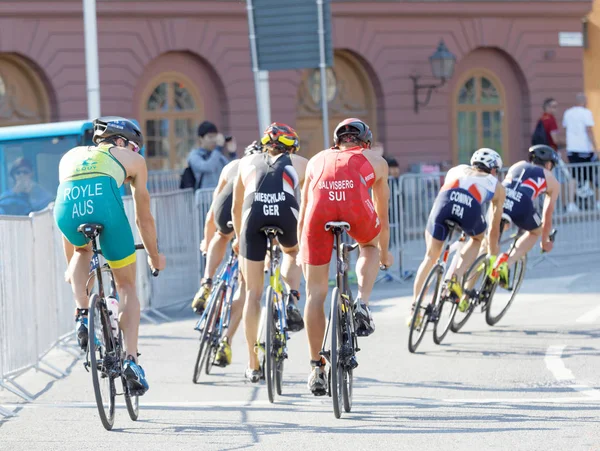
337 187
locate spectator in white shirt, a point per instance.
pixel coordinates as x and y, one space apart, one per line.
581 145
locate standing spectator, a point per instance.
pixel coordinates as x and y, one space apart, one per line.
548 120
550 129
210 157
394 168
581 145
26 195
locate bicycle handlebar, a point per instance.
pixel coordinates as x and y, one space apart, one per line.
140 247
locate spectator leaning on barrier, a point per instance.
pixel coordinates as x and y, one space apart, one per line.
548 126
210 157
581 145
26 195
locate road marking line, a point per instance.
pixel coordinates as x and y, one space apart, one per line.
589 317
555 364
564 399
558 369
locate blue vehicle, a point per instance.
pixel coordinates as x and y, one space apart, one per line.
42 145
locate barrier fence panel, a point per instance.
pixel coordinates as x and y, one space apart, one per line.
19 295
45 274
65 307
178 238
164 181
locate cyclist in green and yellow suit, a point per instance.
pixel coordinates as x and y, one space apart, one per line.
90 179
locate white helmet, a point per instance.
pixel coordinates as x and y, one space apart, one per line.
488 158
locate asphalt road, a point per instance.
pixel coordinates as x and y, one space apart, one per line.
532 382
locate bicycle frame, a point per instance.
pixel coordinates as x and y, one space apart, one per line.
229 274
275 278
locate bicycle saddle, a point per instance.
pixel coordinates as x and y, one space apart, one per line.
90 230
272 229
451 224
337 225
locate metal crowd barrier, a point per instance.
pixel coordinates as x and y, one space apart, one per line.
36 313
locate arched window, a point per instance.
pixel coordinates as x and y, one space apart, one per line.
23 96
480 121
169 119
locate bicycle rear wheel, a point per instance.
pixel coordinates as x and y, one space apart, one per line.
101 348
348 379
421 313
491 317
336 369
205 340
473 282
270 352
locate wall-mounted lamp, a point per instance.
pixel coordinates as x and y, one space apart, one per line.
442 67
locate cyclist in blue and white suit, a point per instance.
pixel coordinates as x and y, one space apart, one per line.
466 189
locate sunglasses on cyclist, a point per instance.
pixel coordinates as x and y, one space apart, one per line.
22 172
136 148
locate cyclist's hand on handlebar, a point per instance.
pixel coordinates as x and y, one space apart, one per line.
546 245
203 246
386 260
158 263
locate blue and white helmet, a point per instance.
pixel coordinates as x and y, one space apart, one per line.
488 158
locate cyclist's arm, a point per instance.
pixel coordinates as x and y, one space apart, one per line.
497 209
381 201
210 228
141 202
238 201
303 200
552 192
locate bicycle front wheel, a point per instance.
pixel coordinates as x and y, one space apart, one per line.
214 337
336 370
270 351
424 308
446 309
102 359
473 283
501 306
205 343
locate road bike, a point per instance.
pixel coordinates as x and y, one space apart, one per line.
340 343
479 287
273 330
216 317
106 353
442 300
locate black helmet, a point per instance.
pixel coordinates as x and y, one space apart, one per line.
354 127
117 127
541 153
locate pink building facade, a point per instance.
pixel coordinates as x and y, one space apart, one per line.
173 64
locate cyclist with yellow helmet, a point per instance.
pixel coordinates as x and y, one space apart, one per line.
267 193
